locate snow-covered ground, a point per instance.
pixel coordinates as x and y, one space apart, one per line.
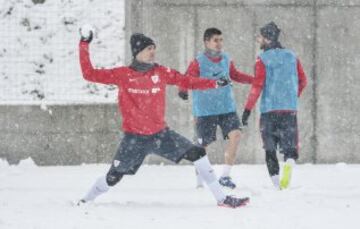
322 196
39 49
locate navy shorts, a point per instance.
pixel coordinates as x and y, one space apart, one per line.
206 127
279 131
134 148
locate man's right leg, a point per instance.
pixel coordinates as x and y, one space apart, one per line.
102 185
272 164
128 158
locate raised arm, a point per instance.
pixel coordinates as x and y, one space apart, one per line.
105 76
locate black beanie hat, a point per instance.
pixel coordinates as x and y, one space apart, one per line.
138 42
270 31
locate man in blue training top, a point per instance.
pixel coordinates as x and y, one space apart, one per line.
280 78
216 107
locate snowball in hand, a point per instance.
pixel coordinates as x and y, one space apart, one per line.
85 30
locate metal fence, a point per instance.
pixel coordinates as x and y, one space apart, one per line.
39 54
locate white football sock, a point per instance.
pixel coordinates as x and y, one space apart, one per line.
205 170
199 180
97 189
291 162
275 180
226 170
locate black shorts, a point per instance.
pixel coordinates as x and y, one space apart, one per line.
206 127
134 148
279 130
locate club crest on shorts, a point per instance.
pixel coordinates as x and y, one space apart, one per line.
200 141
116 163
155 78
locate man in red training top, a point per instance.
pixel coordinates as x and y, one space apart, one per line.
142 105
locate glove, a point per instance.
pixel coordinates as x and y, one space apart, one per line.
86 34
245 117
222 82
184 95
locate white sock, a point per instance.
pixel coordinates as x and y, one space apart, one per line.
199 180
290 161
97 189
226 170
275 180
205 170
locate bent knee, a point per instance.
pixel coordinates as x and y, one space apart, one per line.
112 178
195 153
235 135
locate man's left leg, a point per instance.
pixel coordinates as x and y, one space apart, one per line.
202 164
290 157
230 126
175 147
289 147
127 160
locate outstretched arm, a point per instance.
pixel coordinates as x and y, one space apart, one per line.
238 76
174 77
193 70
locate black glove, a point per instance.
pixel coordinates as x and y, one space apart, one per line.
245 117
87 39
222 82
184 95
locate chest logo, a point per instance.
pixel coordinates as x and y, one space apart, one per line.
155 79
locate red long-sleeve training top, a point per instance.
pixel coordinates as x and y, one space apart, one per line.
141 96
